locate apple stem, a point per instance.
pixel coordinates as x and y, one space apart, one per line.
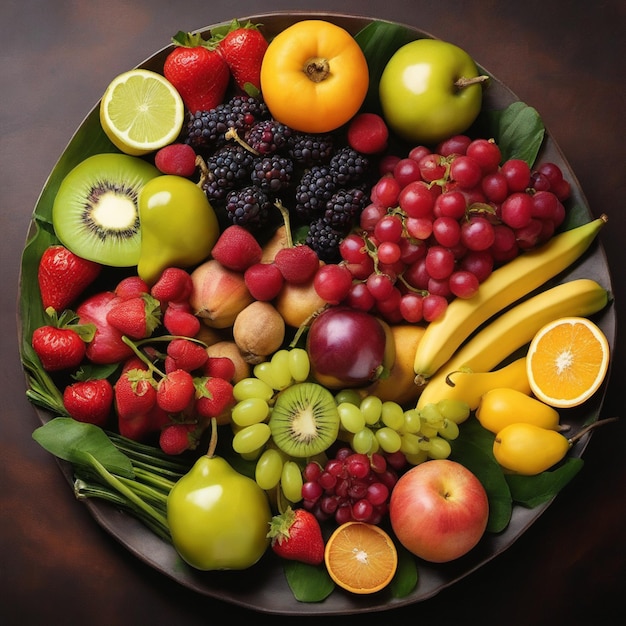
463 82
584 431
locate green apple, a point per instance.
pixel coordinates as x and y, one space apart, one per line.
430 90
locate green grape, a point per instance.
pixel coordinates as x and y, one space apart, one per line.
348 395
269 469
439 448
427 430
299 364
265 372
351 417
456 410
449 430
363 440
250 411
372 408
430 413
280 369
416 459
392 415
251 438
424 444
410 443
291 481
412 421
252 387
252 456
389 440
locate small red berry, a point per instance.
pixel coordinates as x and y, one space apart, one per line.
178 159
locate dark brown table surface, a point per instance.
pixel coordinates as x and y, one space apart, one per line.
564 58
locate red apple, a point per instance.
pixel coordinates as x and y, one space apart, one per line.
438 510
346 347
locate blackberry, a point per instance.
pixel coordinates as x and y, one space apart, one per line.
344 207
205 130
248 207
229 167
272 173
325 240
314 190
310 149
268 136
349 166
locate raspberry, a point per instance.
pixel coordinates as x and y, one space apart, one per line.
325 240
264 281
314 190
272 174
306 149
178 159
268 136
368 133
248 207
237 249
348 166
344 207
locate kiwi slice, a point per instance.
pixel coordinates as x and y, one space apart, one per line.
304 420
95 211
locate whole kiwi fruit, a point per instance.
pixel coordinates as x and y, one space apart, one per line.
95 212
304 420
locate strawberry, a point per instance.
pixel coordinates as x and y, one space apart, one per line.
185 355
298 264
237 249
58 348
89 401
176 158
214 396
136 317
264 281
107 345
63 276
179 320
199 74
131 287
176 438
174 285
243 48
175 391
220 367
297 536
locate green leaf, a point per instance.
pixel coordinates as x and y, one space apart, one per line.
473 449
530 491
518 129
308 583
378 41
79 443
407 575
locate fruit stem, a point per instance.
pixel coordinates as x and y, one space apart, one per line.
463 82
584 431
232 133
213 441
316 69
151 366
287 220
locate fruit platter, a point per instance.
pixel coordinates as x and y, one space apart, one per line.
314 314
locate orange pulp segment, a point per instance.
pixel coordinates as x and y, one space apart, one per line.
567 361
361 557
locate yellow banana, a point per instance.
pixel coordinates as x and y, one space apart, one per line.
503 287
515 328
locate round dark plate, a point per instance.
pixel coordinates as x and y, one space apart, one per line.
263 587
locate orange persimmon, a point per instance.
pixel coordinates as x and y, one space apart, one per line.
314 76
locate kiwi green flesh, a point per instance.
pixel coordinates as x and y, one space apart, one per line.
304 420
95 211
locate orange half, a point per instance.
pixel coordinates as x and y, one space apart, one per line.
567 361
361 557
